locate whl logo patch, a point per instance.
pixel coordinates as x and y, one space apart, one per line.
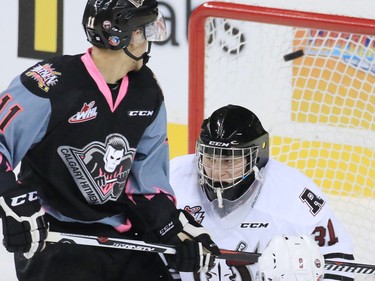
87 113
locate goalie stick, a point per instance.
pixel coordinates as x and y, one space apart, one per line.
234 256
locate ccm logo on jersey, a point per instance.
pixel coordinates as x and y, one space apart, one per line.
254 225
140 113
19 200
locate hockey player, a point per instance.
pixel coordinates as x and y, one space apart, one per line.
90 133
245 198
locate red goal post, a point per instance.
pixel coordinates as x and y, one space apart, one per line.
318 104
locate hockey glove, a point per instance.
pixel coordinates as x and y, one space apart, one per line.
24 226
195 250
191 257
291 258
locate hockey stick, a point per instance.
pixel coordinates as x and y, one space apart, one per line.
350 267
137 245
244 258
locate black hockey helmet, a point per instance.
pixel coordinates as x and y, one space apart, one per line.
109 24
231 146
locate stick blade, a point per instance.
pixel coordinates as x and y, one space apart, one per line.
239 258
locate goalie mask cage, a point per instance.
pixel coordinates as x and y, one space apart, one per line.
310 78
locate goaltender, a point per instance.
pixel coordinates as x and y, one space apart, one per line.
245 198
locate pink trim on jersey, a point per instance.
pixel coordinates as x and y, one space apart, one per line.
128 192
124 227
102 85
122 91
148 196
159 190
9 167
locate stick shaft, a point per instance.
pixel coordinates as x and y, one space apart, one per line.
137 245
236 256
126 244
350 267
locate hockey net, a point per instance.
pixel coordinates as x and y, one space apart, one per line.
310 78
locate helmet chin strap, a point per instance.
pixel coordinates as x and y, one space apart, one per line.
145 55
219 194
258 174
219 191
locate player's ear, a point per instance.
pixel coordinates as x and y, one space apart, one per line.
138 37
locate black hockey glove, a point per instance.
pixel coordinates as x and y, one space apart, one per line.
24 226
191 256
195 250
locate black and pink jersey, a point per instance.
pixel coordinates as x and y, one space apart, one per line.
89 156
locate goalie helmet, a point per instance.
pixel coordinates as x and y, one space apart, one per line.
291 258
110 24
231 149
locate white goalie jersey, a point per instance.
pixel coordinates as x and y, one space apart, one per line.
286 202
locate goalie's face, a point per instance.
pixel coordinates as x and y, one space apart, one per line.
224 170
231 144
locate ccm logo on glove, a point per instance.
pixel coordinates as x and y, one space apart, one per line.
22 199
166 228
24 226
195 250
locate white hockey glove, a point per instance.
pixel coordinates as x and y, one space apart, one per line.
195 250
24 226
291 258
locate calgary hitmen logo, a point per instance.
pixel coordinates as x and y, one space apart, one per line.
100 170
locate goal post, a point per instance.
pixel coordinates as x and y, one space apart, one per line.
310 78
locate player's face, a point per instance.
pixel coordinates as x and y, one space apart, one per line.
138 44
224 168
138 47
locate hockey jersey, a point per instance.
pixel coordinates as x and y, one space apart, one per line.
89 156
286 203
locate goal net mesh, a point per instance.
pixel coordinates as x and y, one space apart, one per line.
313 90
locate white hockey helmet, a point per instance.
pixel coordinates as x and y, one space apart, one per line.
291 258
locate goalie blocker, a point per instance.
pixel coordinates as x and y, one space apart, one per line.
291 258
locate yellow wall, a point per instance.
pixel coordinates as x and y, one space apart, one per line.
178 139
